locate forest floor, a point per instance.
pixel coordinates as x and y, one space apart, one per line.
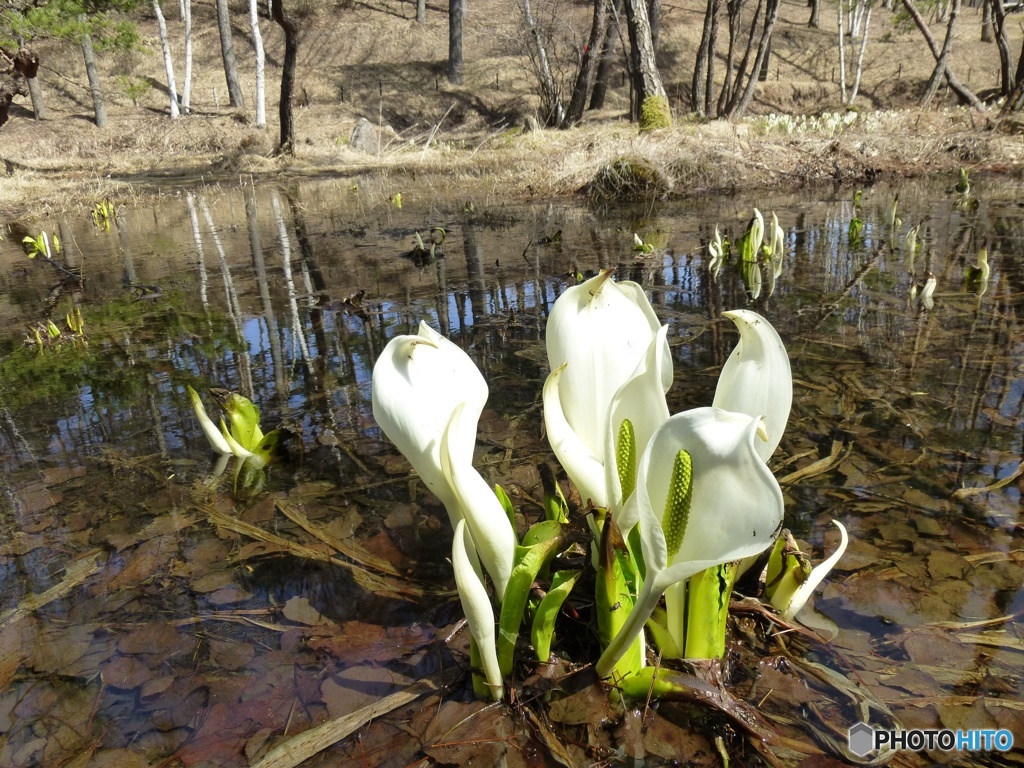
372 60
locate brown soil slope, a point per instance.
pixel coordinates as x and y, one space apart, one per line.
371 59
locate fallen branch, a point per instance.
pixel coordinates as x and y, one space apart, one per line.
74 574
305 745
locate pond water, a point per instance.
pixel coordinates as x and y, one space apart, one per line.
152 614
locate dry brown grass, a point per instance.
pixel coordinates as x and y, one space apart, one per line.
367 60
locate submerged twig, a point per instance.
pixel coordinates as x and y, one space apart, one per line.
305 745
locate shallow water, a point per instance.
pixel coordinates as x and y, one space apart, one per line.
180 641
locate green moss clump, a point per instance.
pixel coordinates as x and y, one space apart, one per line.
655 113
628 178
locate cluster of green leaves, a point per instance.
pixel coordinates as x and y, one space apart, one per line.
103 20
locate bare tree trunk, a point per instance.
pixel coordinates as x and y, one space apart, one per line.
815 21
455 42
585 77
733 8
959 88
860 58
549 89
93 75
227 51
604 65
763 46
1015 101
648 90
1005 78
988 34
421 11
705 52
842 57
257 44
26 64
943 58
291 53
709 88
654 16
186 87
172 89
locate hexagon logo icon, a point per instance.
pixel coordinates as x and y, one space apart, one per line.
861 739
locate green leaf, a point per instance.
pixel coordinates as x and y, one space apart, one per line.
543 628
529 561
614 595
506 504
707 611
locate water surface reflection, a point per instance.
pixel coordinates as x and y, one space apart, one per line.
185 641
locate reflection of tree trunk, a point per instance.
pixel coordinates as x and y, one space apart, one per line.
198 238
298 329
67 245
234 308
475 274
311 273
93 76
604 64
585 77
125 247
262 284
441 297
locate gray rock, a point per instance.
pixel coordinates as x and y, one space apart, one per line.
365 137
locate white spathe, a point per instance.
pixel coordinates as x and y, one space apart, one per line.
735 511
427 398
790 604
477 607
757 379
597 334
418 381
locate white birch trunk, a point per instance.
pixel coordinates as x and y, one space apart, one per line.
842 58
860 57
186 88
257 43
168 64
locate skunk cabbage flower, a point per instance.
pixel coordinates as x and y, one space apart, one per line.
213 433
427 398
795 584
757 379
597 335
477 607
704 497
